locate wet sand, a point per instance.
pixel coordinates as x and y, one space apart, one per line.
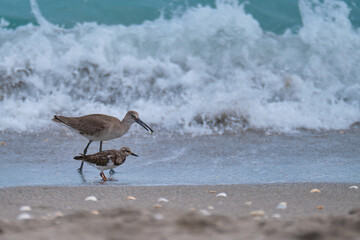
192 212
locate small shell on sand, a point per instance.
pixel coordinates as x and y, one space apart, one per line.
221 194
282 205
276 215
163 200
354 187
158 216
211 207
2 143
158 206
315 190
131 198
257 213
25 208
94 212
320 207
205 212
248 203
91 198
24 216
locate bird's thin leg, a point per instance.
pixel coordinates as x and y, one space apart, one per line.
103 176
85 151
100 146
112 171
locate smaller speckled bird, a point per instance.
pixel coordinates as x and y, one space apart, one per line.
108 159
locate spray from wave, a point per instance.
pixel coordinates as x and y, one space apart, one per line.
209 69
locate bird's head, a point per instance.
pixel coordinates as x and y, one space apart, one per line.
127 152
133 117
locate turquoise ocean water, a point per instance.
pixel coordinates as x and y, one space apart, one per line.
204 66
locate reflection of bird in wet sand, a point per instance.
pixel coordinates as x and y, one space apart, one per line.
99 127
108 159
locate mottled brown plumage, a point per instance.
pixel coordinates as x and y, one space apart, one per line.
108 159
100 127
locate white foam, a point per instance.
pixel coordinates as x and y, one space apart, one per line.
210 69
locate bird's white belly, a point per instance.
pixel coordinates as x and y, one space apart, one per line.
110 165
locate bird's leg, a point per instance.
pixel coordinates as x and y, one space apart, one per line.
103 176
100 146
112 171
85 151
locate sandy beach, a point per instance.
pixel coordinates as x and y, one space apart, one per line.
182 212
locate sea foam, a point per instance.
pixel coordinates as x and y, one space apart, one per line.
207 70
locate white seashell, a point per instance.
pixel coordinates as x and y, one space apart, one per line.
221 194
315 190
24 216
257 213
58 214
204 212
282 205
131 198
158 216
276 215
94 212
163 200
25 208
211 207
248 203
354 187
91 198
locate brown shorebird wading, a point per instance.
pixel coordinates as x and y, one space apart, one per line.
106 159
99 127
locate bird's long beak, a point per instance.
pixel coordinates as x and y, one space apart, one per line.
144 126
134 154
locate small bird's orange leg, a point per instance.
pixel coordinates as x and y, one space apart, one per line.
103 176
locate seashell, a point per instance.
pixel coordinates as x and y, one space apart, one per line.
257 213
25 208
221 194
58 214
94 212
320 207
158 206
131 198
354 187
91 198
192 209
163 200
248 203
276 215
24 216
282 205
315 190
158 216
205 212
211 207
2 143
212 191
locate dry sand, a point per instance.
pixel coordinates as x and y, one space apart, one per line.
192 212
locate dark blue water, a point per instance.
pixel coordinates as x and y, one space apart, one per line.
46 159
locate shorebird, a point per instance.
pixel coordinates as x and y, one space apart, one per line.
99 127
108 159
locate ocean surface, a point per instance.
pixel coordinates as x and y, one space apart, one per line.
200 67
252 91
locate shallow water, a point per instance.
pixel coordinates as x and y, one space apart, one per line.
252 157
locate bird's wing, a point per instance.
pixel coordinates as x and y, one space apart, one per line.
86 125
101 158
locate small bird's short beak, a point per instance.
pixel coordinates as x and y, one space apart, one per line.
134 154
144 126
